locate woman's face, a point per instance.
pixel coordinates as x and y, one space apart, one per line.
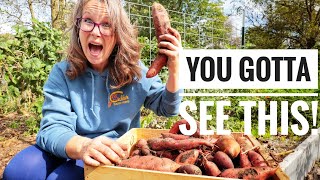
97 47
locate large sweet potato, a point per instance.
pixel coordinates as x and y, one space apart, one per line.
174 136
222 160
150 163
256 159
228 145
161 23
159 144
252 173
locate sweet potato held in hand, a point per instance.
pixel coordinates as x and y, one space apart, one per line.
161 24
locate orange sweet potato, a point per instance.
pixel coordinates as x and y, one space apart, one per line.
228 145
187 157
170 154
256 159
245 143
161 23
252 173
140 148
135 152
244 161
175 127
141 143
210 168
189 169
174 136
222 160
176 130
159 144
150 163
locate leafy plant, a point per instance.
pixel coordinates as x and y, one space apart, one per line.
26 59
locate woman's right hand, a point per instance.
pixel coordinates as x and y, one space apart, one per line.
102 150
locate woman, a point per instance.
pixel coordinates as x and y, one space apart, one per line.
95 95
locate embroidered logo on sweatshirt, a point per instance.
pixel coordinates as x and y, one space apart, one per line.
118 98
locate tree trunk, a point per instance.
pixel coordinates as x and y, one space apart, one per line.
57 13
54 13
61 20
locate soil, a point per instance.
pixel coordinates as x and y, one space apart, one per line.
14 138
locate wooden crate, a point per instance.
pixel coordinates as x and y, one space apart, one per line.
131 137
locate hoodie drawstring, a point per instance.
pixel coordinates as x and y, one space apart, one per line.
92 95
107 87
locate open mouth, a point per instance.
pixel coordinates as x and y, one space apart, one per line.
95 49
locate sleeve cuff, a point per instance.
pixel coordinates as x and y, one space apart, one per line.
172 98
61 146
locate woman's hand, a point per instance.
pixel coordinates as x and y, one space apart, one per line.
100 150
170 45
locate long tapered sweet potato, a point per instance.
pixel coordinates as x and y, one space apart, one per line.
161 23
174 136
159 144
252 173
150 163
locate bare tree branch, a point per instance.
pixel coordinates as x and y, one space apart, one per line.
31 9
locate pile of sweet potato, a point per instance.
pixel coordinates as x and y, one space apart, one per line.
223 156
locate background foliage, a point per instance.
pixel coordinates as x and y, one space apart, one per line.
26 58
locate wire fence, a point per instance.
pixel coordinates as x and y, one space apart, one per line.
196 31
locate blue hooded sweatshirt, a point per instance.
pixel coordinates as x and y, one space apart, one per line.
88 106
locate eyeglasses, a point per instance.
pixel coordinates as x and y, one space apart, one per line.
87 25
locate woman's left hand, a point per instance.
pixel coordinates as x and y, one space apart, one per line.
170 45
